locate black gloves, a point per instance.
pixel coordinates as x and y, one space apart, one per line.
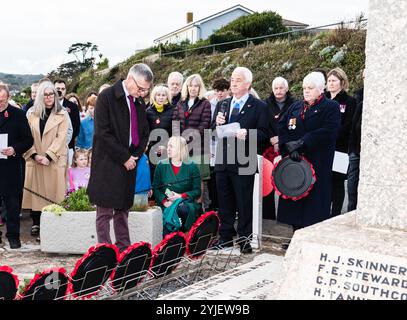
294 148
294 145
295 156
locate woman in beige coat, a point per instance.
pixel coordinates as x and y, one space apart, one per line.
46 161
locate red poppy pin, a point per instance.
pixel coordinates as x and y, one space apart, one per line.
6 114
187 114
157 121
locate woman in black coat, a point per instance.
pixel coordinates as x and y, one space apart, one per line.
338 85
310 127
277 104
159 117
14 123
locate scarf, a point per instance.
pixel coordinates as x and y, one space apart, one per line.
159 107
308 105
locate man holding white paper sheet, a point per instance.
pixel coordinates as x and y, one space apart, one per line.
15 139
234 169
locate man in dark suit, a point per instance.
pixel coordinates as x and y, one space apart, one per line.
73 111
120 138
235 179
14 123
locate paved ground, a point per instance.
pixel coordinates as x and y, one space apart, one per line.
29 259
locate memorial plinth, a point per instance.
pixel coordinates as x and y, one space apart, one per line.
363 254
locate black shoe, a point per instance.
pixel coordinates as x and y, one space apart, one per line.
221 244
285 245
245 247
35 231
14 243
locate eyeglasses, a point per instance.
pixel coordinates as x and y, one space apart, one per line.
140 88
46 95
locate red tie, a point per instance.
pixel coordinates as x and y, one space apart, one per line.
134 126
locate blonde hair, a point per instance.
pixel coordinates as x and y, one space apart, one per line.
198 79
160 88
39 105
341 75
179 145
76 154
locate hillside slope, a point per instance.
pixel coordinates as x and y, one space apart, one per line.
291 58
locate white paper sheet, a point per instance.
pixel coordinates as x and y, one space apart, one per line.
341 162
228 130
3 144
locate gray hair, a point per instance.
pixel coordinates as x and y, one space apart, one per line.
39 105
143 70
4 87
176 74
315 79
280 80
35 85
248 75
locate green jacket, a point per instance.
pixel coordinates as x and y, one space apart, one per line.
188 180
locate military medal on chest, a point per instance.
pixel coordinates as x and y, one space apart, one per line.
292 124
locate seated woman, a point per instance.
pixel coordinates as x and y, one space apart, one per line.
177 186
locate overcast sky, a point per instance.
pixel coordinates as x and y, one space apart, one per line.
37 34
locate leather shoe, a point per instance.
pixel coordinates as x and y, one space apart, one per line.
14 243
245 248
221 244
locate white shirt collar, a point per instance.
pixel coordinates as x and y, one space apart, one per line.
241 101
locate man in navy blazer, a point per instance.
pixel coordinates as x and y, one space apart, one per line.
236 158
14 123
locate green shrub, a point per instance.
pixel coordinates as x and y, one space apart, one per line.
78 201
226 36
256 25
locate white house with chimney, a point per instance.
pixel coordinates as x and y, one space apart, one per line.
203 28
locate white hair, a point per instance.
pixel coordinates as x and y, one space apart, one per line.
177 75
280 80
315 79
247 74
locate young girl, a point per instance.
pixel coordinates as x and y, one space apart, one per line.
79 173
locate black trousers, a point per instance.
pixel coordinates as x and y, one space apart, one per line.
235 193
12 204
269 207
213 192
338 193
36 217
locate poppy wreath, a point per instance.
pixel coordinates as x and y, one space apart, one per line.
306 193
91 251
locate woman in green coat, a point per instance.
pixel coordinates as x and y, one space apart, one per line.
177 186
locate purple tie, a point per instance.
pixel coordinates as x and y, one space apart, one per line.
133 118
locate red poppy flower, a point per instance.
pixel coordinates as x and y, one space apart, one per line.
6 114
186 114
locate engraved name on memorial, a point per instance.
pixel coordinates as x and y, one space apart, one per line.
352 275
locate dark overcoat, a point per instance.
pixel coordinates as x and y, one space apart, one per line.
110 184
274 114
73 112
15 124
319 131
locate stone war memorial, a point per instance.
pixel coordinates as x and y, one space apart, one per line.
363 254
